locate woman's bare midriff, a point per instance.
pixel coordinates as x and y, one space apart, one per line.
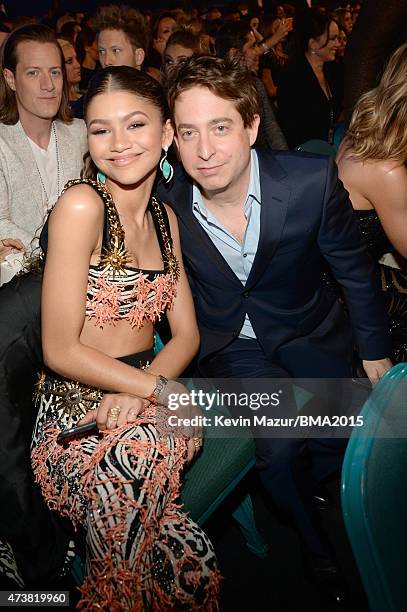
118 339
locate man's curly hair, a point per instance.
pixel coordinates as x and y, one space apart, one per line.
125 19
226 78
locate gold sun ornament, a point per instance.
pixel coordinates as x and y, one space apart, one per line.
38 387
172 265
115 257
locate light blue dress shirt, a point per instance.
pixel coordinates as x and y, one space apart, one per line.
238 255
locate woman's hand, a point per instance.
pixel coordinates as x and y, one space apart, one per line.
178 399
257 34
115 410
9 245
280 33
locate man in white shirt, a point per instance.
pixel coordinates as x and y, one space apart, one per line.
41 146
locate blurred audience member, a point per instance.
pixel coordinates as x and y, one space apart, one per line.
342 39
88 55
70 31
236 39
355 12
337 71
214 21
65 18
344 18
273 63
181 45
73 77
372 165
307 102
122 36
162 28
243 9
79 16
231 15
4 29
256 25
196 26
72 68
214 14
280 11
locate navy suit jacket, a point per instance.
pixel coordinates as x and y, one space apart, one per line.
306 220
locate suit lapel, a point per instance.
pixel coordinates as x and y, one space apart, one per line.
181 196
275 195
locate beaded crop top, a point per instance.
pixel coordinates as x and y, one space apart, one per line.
117 291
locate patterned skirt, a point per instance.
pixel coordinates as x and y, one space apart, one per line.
122 486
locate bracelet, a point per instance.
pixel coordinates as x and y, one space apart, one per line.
265 47
161 384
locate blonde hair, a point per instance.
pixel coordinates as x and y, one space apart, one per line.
378 129
64 43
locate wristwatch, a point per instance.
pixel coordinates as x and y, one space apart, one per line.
161 384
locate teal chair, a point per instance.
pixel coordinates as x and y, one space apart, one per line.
339 134
374 493
317 146
216 472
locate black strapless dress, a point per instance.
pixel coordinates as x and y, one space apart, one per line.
394 281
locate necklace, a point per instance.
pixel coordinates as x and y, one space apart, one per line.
54 131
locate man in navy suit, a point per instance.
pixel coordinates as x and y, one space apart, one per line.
257 230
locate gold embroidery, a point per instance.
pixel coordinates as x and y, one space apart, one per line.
115 255
115 258
72 397
133 295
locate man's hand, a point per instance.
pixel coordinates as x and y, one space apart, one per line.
9 245
376 369
185 412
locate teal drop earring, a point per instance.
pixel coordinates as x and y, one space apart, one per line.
165 167
101 178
